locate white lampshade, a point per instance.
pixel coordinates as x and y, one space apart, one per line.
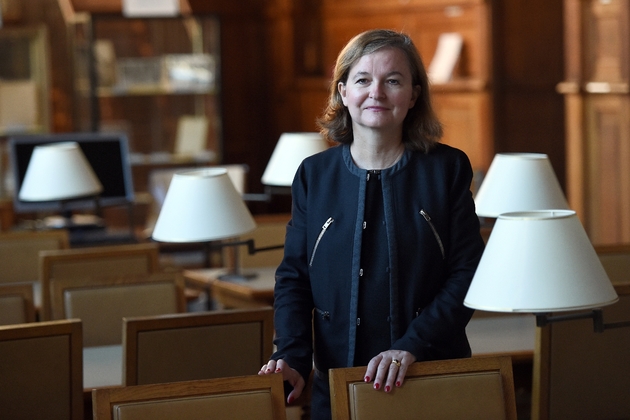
539 261
58 171
290 151
519 182
202 205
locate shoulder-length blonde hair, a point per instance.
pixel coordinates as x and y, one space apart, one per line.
421 127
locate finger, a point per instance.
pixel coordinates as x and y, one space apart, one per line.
392 374
407 360
372 366
298 387
381 373
281 365
400 376
269 367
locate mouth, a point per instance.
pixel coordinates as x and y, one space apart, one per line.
376 108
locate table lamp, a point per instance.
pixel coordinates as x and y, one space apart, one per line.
59 172
519 182
542 262
202 205
290 151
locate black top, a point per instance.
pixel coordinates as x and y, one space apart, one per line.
373 309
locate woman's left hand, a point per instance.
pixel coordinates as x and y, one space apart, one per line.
388 369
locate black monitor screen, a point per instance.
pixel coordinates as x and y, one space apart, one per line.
108 155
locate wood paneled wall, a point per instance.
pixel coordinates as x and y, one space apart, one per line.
277 56
502 97
597 100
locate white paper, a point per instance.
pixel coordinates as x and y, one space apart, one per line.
192 132
446 55
150 8
19 105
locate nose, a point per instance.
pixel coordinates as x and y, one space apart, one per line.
376 91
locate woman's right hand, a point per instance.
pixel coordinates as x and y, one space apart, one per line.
288 374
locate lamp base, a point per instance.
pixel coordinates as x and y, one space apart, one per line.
76 221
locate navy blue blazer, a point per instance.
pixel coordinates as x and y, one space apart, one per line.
433 246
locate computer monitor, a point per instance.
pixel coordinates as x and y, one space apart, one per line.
107 153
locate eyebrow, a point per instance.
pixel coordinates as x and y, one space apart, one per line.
365 73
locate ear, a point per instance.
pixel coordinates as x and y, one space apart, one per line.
341 88
415 95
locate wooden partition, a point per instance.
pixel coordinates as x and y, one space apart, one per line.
581 374
596 91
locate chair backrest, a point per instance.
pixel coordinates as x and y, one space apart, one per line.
270 231
473 388
41 371
116 260
258 397
196 346
16 303
581 374
102 302
616 262
19 254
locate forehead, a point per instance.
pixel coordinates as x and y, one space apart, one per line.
382 60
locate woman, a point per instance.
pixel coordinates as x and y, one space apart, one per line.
383 240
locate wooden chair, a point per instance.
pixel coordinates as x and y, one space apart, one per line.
19 255
270 231
17 303
234 398
194 346
41 372
616 262
102 302
116 260
580 374
474 388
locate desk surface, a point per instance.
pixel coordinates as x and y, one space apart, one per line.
493 333
235 293
512 334
263 282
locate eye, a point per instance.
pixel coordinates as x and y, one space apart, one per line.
393 81
362 81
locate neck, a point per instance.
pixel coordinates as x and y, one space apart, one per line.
367 155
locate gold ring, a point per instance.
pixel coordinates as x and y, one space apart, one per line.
396 362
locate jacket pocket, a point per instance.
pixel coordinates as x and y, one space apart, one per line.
324 315
319 238
435 232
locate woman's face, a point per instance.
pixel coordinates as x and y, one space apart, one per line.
379 90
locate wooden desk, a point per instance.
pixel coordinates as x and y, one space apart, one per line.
250 293
512 334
